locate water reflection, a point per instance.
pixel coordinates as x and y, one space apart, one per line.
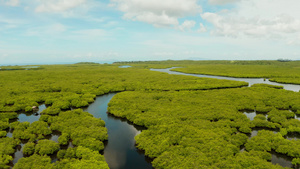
120 151
32 117
250 114
282 160
125 66
18 154
251 81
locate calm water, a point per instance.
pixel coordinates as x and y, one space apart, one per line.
125 66
282 160
32 117
251 81
120 151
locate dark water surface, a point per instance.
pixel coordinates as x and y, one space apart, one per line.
251 81
120 151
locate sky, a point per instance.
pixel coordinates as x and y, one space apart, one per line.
69 31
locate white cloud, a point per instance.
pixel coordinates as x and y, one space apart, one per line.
58 5
202 28
257 18
157 12
187 25
12 2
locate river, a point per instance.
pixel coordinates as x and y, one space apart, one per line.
120 151
251 81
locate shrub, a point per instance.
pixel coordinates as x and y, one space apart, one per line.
28 148
44 147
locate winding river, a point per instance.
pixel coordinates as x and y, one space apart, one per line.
120 151
251 81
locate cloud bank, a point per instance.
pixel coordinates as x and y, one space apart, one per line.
257 18
156 12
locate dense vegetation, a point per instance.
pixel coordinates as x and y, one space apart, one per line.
282 72
190 124
62 87
190 129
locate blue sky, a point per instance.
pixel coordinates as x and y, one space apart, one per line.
68 31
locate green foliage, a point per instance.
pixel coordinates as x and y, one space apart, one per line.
31 132
81 127
63 139
35 161
261 142
201 127
267 85
67 154
252 159
282 72
68 85
186 128
7 145
283 131
80 157
3 133
91 143
261 121
51 111
29 148
63 105
4 124
280 116
28 109
4 160
44 147
8 115
296 161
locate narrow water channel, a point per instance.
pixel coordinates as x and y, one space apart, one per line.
251 81
120 151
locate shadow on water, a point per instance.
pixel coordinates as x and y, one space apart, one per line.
120 151
293 136
282 160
